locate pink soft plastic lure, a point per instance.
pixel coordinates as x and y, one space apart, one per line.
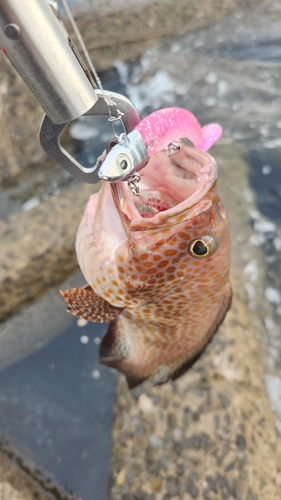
167 125
152 134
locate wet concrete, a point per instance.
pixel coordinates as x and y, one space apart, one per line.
56 402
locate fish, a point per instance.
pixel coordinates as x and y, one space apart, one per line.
152 134
156 265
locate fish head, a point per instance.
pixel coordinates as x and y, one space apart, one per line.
176 230
125 158
187 236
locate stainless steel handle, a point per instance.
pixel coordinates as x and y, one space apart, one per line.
39 47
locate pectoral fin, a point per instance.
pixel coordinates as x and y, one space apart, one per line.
114 351
87 304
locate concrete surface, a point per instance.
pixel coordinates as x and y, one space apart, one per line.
14 485
37 247
212 434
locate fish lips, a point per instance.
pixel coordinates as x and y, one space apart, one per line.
179 183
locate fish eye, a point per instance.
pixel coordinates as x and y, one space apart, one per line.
124 164
202 247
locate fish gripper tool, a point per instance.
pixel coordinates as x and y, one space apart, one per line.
36 42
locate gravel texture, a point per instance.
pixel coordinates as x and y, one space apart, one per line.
16 485
210 435
37 247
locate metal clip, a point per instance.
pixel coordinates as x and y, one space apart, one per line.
173 148
133 185
113 119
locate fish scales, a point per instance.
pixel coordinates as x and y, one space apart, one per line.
165 276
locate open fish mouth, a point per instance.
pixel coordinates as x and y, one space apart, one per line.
149 203
167 184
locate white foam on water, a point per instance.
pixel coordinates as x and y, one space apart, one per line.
257 239
264 130
273 385
153 91
211 77
176 47
81 130
270 258
274 143
31 203
222 87
271 326
277 244
264 226
255 214
266 169
96 374
272 295
248 195
211 101
252 270
123 71
199 42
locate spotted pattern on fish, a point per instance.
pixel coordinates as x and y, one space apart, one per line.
173 300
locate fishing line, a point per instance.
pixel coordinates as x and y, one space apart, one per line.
108 99
82 44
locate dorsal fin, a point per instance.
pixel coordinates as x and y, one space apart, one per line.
87 304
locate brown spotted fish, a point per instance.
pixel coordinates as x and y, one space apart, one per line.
157 266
